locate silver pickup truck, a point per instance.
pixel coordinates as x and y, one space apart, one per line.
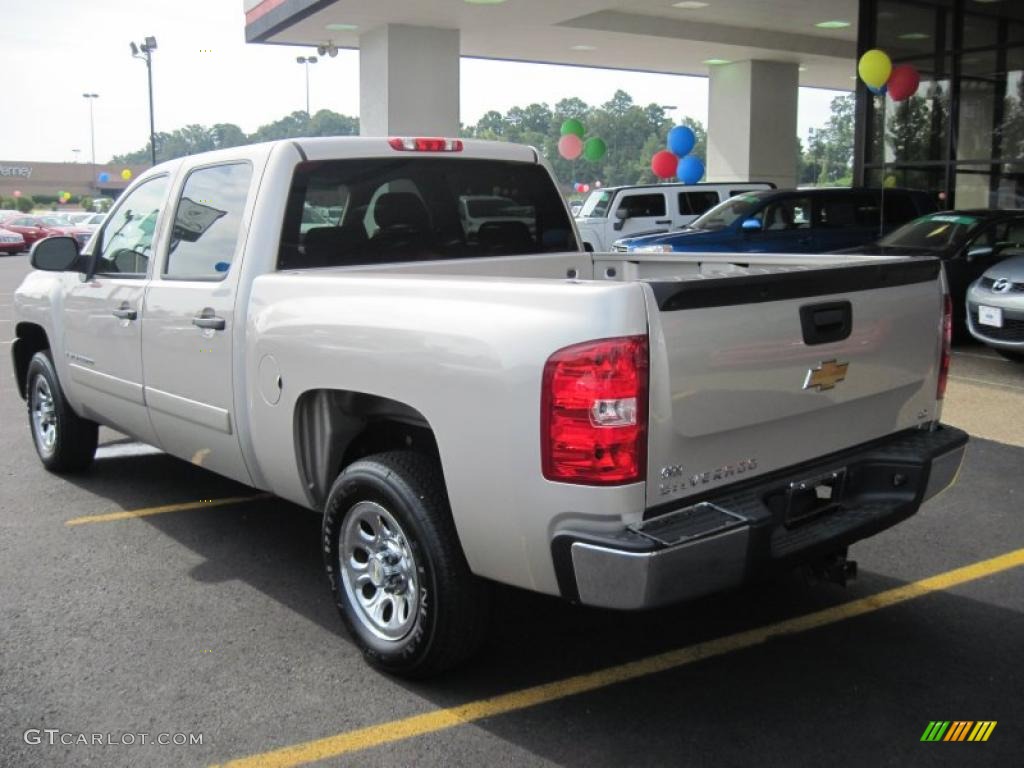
474 403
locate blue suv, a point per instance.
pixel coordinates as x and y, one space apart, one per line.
790 221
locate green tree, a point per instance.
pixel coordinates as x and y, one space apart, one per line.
226 135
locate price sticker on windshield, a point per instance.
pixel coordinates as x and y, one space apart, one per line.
990 316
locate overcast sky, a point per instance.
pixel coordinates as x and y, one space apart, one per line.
51 51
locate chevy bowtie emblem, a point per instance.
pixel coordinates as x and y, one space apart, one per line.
826 375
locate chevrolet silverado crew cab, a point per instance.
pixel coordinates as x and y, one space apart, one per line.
468 400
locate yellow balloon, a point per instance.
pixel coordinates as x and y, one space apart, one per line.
126 174
874 68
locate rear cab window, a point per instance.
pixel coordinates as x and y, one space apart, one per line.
389 210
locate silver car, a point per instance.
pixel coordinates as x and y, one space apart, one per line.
995 307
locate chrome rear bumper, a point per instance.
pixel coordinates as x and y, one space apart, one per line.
684 554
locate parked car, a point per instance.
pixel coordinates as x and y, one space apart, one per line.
86 219
790 221
615 212
611 429
11 241
60 224
995 307
967 241
575 206
30 227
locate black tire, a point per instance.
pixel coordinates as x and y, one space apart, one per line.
449 621
74 443
1016 357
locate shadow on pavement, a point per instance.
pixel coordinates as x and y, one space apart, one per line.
859 692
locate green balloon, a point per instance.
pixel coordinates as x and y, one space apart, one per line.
573 126
594 149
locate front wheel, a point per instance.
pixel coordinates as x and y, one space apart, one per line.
397 571
64 441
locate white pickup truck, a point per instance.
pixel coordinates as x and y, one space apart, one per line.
462 407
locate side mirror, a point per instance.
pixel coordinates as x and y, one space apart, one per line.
751 225
55 254
980 252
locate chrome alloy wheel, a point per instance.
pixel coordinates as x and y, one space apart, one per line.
44 416
378 571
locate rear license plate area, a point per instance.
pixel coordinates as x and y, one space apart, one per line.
814 496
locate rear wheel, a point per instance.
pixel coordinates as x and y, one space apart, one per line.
64 441
1017 357
399 577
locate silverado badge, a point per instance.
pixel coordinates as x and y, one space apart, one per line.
826 375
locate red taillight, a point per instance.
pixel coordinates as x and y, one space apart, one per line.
947 344
594 412
412 144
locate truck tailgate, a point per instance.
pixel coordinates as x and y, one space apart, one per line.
755 372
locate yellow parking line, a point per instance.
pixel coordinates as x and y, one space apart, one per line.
442 719
183 507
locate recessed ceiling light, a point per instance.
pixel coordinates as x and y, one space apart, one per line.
584 48
341 27
715 62
832 24
690 5
914 36
801 69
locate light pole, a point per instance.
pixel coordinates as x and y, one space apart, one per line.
145 52
306 61
91 97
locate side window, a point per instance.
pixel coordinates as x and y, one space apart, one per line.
695 203
643 205
207 221
837 213
1013 236
786 214
126 241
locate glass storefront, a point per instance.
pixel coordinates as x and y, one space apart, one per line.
961 136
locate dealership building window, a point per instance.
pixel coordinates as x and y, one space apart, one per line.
961 136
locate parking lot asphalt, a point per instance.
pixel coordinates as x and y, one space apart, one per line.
213 618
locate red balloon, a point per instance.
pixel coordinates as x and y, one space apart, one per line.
570 146
903 82
664 164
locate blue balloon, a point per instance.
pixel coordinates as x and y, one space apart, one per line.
104 177
881 91
690 170
681 140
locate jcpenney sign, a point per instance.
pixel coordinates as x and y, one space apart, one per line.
16 170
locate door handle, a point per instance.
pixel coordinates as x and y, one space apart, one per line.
210 322
125 313
663 221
